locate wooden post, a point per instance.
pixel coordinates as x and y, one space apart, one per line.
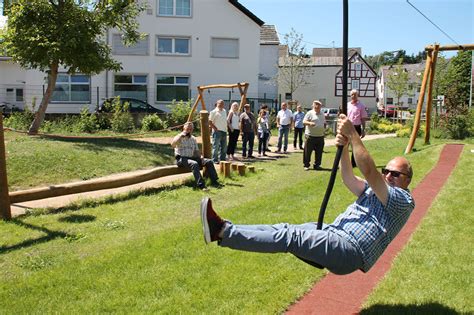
430 94
251 169
241 169
5 210
416 122
235 166
226 169
221 167
205 134
193 109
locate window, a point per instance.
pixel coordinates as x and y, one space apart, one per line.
224 48
19 95
140 48
132 85
172 45
72 88
355 84
358 66
389 100
174 8
169 88
410 100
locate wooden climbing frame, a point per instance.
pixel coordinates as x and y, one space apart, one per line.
243 87
430 67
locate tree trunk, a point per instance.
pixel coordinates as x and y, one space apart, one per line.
39 115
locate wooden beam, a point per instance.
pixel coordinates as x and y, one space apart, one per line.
430 95
421 98
5 209
223 86
94 184
450 47
193 109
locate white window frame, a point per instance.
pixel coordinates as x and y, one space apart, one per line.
173 84
213 54
129 51
355 84
173 45
70 84
174 10
133 83
389 100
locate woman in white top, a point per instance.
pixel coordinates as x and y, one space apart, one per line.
234 129
263 131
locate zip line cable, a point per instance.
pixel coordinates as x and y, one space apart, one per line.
408 1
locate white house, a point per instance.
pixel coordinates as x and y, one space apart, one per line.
269 49
385 96
324 80
187 43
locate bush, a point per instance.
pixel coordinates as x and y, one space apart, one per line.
179 112
87 122
374 118
20 120
404 133
459 126
122 120
153 123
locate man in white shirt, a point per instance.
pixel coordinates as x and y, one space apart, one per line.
314 136
218 123
284 120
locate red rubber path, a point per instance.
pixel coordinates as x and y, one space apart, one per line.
346 294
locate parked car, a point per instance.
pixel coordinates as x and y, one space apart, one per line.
330 112
391 110
8 108
135 106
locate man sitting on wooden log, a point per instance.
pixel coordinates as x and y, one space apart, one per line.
187 154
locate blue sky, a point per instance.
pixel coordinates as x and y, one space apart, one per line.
374 25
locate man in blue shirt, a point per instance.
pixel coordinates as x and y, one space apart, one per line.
298 118
358 236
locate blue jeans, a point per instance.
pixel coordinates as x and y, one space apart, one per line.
324 247
219 146
194 164
283 131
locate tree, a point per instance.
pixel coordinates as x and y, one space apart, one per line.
47 35
398 81
294 68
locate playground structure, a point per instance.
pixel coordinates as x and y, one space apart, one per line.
430 67
6 198
205 135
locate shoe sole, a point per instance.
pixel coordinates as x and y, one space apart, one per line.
205 224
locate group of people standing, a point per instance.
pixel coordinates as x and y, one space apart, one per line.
226 128
235 123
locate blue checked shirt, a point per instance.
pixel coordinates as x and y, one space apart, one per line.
370 226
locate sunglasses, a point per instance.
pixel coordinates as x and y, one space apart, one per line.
393 173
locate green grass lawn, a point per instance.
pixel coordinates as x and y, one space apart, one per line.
34 161
145 252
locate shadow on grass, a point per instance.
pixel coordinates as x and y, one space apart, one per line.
50 235
99 145
428 308
77 218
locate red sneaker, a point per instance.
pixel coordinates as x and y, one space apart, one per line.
212 223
